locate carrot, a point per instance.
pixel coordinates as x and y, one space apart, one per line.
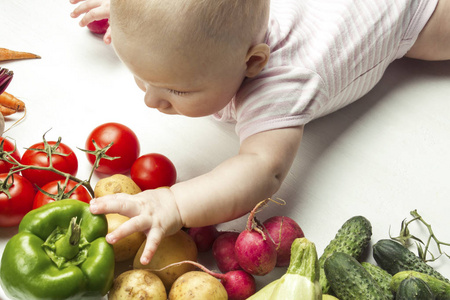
6 54
6 111
9 101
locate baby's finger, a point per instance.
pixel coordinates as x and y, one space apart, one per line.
117 203
86 8
75 1
153 240
127 228
82 8
94 15
107 36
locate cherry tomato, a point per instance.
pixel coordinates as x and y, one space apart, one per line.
153 170
80 193
22 194
125 146
8 146
63 159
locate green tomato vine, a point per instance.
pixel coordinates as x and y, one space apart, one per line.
100 153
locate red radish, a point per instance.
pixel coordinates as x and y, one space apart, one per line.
223 251
99 26
283 231
239 284
203 237
254 249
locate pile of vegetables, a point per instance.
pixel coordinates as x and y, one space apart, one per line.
46 174
9 104
47 170
36 184
399 273
61 236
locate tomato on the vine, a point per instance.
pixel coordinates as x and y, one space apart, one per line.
63 159
8 146
22 194
125 146
80 193
153 170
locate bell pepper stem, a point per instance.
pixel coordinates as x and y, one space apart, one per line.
67 246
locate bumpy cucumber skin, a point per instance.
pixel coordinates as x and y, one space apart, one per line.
440 289
382 277
394 257
413 288
352 238
349 280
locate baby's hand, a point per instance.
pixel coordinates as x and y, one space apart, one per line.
94 10
153 212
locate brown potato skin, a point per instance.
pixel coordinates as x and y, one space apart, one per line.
115 184
197 285
175 248
137 284
127 247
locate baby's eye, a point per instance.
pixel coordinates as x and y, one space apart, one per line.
178 93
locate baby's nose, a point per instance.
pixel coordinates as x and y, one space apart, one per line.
154 101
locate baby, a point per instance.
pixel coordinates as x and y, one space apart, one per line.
269 66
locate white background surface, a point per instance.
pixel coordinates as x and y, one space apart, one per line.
380 157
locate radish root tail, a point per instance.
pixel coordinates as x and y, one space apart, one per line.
259 207
22 118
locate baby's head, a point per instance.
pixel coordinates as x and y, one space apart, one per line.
190 56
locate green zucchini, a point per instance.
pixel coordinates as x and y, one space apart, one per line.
328 297
349 280
382 277
440 289
394 257
413 288
352 238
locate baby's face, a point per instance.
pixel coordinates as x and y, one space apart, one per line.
175 81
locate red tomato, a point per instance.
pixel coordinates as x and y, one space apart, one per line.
153 170
125 146
80 193
67 163
8 146
13 209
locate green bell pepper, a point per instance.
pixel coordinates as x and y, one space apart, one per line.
60 252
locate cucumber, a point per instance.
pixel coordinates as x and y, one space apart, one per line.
394 257
413 288
440 289
352 238
382 277
349 280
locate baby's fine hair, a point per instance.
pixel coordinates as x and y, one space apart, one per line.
217 21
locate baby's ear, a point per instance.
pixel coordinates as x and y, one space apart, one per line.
257 57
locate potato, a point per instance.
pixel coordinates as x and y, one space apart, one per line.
174 248
137 284
115 184
127 247
197 285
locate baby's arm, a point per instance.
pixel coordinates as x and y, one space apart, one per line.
229 191
94 10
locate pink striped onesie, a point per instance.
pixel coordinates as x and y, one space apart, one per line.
325 54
